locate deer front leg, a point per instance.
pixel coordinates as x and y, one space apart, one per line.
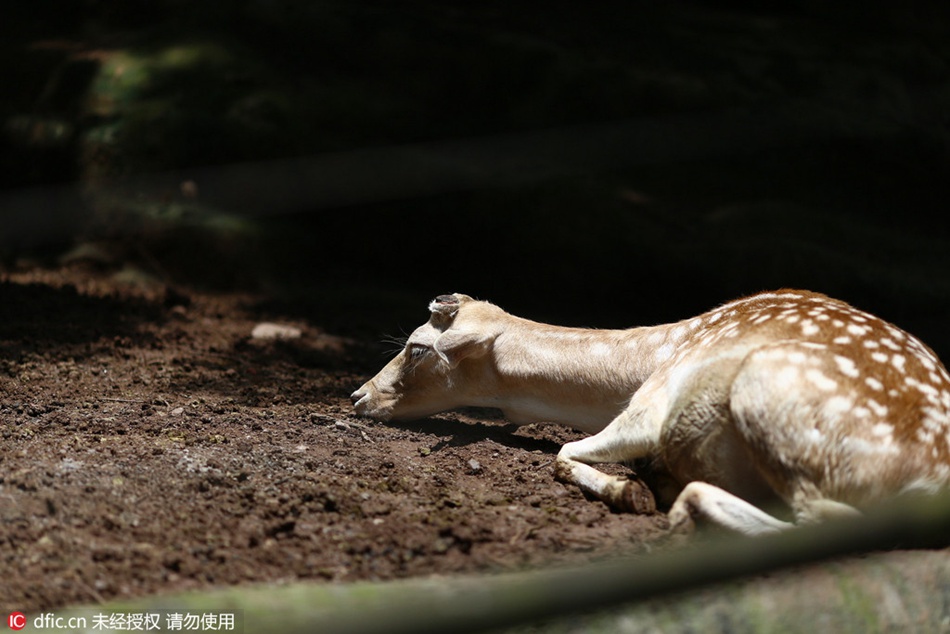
623 494
620 441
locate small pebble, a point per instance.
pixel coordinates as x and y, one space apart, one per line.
266 330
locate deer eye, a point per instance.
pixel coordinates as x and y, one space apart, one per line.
417 351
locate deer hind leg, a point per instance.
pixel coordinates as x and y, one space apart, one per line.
625 439
700 501
704 502
789 412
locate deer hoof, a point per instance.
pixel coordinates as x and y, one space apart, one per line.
636 497
563 471
681 522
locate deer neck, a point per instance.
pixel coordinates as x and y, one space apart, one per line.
577 377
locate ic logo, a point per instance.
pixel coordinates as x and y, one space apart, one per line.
16 620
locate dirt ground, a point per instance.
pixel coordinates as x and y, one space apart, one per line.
151 445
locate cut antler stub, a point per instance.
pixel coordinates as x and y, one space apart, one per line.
446 305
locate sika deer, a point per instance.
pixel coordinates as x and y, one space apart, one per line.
789 397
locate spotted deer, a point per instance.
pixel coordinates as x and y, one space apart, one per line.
787 399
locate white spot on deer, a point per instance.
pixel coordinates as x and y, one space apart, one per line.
926 388
809 328
837 405
861 412
890 344
917 347
856 330
793 318
880 357
841 341
846 366
874 384
883 429
870 343
761 319
898 361
934 422
819 380
837 323
879 410
858 445
896 333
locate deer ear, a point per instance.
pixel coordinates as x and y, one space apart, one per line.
454 345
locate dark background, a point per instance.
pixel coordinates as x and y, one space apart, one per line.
602 164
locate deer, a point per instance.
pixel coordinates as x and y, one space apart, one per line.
771 411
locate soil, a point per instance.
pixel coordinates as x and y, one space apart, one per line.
151 445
